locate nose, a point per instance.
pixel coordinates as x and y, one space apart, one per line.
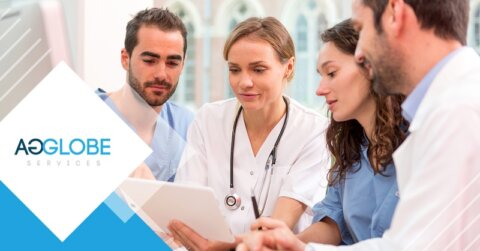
245 81
322 89
359 55
160 71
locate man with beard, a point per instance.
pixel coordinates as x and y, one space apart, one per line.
154 56
417 48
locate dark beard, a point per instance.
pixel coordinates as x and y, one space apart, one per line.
155 99
388 81
388 74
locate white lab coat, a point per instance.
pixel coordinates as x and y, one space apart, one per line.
300 171
438 168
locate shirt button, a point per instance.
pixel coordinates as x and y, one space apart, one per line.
242 208
251 172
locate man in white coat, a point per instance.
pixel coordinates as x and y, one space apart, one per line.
418 48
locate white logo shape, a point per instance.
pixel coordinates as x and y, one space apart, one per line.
62 190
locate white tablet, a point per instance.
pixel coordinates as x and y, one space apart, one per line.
157 203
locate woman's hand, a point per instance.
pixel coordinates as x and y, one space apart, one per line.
275 235
192 241
169 240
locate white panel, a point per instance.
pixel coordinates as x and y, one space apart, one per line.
103 36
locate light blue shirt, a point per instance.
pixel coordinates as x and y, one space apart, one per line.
411 104
168 139
362 204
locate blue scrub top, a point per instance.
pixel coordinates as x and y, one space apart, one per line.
168 139
362 204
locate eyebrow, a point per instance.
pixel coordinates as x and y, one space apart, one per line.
252 63
325 63
155 55
256 62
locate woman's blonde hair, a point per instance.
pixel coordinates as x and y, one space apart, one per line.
267 29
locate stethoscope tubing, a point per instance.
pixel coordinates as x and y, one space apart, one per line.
272 158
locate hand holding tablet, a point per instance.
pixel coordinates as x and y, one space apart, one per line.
157 203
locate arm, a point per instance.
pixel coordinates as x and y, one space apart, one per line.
276 235
325 231
305 181
439 201
439 204
288 210
142 172
193 164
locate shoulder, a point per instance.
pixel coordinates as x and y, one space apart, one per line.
178 117
215 118
101 93
302 116
177 109
218 109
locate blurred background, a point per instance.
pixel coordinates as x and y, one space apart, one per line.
95 30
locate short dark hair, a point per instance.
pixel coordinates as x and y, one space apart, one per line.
162 18
448 18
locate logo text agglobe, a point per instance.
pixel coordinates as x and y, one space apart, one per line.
76 146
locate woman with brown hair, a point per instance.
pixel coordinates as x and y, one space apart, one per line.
259 142
365 130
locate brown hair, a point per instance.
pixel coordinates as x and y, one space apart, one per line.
448 18
267 29
163 19
345 139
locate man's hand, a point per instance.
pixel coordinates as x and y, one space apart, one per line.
142 172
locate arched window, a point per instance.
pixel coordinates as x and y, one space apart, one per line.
298 89
322 25
476 27
310 21
185 93
189 75
240 12
302 33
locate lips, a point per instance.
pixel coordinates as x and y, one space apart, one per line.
331 104
248 97
159 87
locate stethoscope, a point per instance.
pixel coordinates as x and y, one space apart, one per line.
233 200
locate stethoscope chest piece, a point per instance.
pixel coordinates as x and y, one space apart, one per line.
232 200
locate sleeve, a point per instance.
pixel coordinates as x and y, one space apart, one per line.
306 181
168 148
375 244
331 206
439 204
193 164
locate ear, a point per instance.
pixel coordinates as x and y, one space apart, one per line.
396 16
125 59
185 57
290 65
